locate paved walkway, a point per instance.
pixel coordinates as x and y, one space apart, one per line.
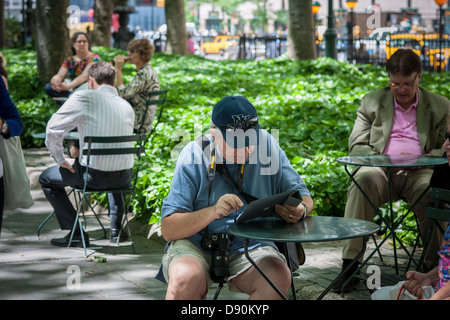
30 268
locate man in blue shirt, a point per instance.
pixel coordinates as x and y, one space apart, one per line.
257 166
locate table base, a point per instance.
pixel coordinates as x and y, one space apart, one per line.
294 294
392 224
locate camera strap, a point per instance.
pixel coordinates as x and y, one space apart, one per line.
295 250
221 168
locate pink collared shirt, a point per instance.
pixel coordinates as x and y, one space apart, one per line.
404 137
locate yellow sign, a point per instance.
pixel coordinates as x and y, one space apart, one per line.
426 44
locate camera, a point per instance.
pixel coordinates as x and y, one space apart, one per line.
218 243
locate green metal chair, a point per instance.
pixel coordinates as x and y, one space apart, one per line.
440 212
156 98
134 144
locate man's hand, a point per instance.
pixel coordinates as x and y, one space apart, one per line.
289 213
67 166
226 205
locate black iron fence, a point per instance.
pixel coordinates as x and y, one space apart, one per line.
267 47
434 52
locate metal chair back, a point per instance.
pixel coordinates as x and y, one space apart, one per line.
160 100
98 146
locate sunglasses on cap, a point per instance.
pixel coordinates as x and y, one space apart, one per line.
243 125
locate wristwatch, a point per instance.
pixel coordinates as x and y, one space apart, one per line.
306 209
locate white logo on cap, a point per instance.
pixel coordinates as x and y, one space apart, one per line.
241 118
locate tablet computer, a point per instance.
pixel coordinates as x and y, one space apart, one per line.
266 207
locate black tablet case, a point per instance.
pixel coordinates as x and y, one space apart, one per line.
266 207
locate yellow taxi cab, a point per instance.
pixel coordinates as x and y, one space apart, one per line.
219 45
425 45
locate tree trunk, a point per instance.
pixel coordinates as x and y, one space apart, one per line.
52 37
301 30
2 24
30 20
177 37
103 11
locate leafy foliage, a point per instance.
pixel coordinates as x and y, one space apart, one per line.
28 95
310 105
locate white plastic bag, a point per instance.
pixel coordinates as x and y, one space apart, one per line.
398 292
382 293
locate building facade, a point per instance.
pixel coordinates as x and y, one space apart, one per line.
371 14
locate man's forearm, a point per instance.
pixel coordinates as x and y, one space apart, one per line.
183 225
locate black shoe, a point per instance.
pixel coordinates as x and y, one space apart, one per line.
346 274
114 235
76 241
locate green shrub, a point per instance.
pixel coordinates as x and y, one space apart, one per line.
311 103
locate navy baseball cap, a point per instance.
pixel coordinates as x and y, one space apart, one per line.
237 119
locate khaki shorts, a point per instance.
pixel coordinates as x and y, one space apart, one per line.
237 263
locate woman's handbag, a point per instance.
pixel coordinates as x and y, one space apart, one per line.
17 183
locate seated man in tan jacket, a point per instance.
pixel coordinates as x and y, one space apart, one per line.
402 118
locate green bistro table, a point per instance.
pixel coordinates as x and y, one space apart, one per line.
310 229
69 136
72 135
390 162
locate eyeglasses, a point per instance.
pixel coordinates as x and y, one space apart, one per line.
243 125
406 85
81 41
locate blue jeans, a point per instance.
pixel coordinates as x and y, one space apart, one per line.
54 180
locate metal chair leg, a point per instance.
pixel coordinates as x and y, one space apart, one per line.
44 222
125 220
80 226
95 215
216 295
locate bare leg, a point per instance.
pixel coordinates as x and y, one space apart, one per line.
187 280
252 283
